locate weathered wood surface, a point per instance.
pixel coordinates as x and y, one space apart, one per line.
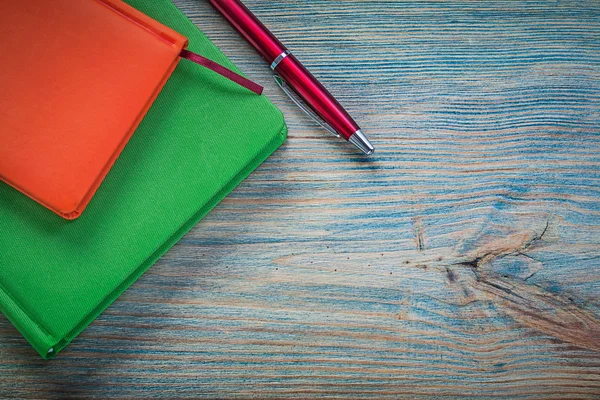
461 260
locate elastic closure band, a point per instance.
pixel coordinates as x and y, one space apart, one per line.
221 70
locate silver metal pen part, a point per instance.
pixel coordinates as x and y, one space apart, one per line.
279 59
300 103
358 139
361 142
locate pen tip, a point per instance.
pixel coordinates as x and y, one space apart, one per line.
362 143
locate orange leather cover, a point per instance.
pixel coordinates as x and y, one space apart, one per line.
76 79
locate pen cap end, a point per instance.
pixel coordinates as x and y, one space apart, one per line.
362 143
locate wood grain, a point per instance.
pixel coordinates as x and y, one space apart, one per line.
462 260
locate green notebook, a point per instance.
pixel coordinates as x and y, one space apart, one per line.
201 138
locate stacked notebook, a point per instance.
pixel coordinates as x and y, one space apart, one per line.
197 136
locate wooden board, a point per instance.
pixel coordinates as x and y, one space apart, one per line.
461 260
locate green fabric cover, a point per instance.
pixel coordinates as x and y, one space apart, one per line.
201 138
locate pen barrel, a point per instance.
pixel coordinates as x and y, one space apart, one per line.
250 28
289 68
316 96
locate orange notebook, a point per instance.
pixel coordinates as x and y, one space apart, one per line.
76 79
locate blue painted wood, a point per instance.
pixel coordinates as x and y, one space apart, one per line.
461 260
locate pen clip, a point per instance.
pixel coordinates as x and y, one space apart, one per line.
300 103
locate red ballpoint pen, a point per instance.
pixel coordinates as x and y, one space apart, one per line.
291 75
